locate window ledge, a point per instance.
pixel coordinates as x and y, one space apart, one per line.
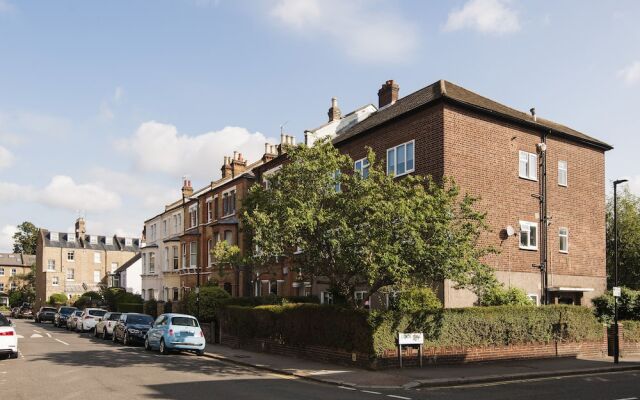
561 185
404 173
526 178
528 248
564 251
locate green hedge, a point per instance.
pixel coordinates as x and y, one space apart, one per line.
631 331
130 307
300 324
357 330
628 306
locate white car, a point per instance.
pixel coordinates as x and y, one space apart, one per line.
104 327
89 318
8 338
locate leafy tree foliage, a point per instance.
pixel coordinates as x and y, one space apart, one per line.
377 230
58 298
499 296
225 254
24 294
210 298
418 299
628 241
25 239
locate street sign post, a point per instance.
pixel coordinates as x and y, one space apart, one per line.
410 339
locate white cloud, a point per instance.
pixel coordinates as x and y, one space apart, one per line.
6 158
485 16
631 73
106 111
157 147
63 192
364 33
6 238
13 192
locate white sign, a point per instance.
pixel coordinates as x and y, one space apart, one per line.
410 338
616 291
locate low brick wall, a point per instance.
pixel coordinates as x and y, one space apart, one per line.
432 355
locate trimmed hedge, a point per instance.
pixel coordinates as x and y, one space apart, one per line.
131 307
357 330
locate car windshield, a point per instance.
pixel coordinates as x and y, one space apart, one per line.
114 316
97 313
4 321
67 310
184 321
48 309
139 319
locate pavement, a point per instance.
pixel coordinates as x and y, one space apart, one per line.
55 363
428 376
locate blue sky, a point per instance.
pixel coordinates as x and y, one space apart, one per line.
105 105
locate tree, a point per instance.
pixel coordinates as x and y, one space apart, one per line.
25 240
628 241
376 230
225 254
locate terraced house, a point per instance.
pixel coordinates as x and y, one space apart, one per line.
541 183
76 262
12 266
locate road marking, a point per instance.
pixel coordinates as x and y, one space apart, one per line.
398 397
64 343
48 334
36 331
346 388
629 398
20 336
35 335
370 392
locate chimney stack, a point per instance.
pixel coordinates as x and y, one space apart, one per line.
270 152
334 111
388 93
238 164
81 229
187 189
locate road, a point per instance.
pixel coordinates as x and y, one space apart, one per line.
56 364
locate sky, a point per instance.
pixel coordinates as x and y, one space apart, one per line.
105 106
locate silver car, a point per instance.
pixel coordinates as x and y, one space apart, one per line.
104 327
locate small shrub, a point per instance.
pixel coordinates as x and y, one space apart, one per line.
499 296
58 299
418 299
130 307
628 306
210 300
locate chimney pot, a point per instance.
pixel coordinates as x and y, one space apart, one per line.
334 112
388 93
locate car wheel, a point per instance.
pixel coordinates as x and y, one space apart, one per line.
14 355
147 345
163 348
200 352
125 339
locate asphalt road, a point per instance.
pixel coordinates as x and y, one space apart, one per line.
55 364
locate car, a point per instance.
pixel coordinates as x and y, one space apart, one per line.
131 328
8 338
60 319
73 319
45 314
175 332
104 327
25 312
89 318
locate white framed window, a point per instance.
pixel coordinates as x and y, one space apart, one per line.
337 185
71 237
1 271
166 258
71 274
535 299
54 237
209 255
70 256
96 276
164 227
362 166
209 209
184 255
152 263
51 265
562 173
175 224
97 258
128 242
359 296
528 235
175 258
93 239
108 240
401 159
193 254
229 202
55 281
228 237
193 215
14 272
326 297
114 267
528 165
175 294
563 239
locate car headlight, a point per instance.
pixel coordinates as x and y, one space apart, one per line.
136 331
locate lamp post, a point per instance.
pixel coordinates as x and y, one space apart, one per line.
616 339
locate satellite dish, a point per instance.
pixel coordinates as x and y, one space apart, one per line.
510 230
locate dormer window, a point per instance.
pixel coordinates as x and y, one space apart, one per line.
128 242
93 239
71 237
53 236
108 240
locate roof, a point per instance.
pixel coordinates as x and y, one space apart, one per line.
447 91
129 263
16 259
84 242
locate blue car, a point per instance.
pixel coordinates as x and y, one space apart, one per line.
175 332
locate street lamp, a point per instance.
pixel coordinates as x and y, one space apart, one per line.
616 339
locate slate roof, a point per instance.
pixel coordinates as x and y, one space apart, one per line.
84 242
16 259
444 90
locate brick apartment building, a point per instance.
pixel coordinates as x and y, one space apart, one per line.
75 262
11 266
496 153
